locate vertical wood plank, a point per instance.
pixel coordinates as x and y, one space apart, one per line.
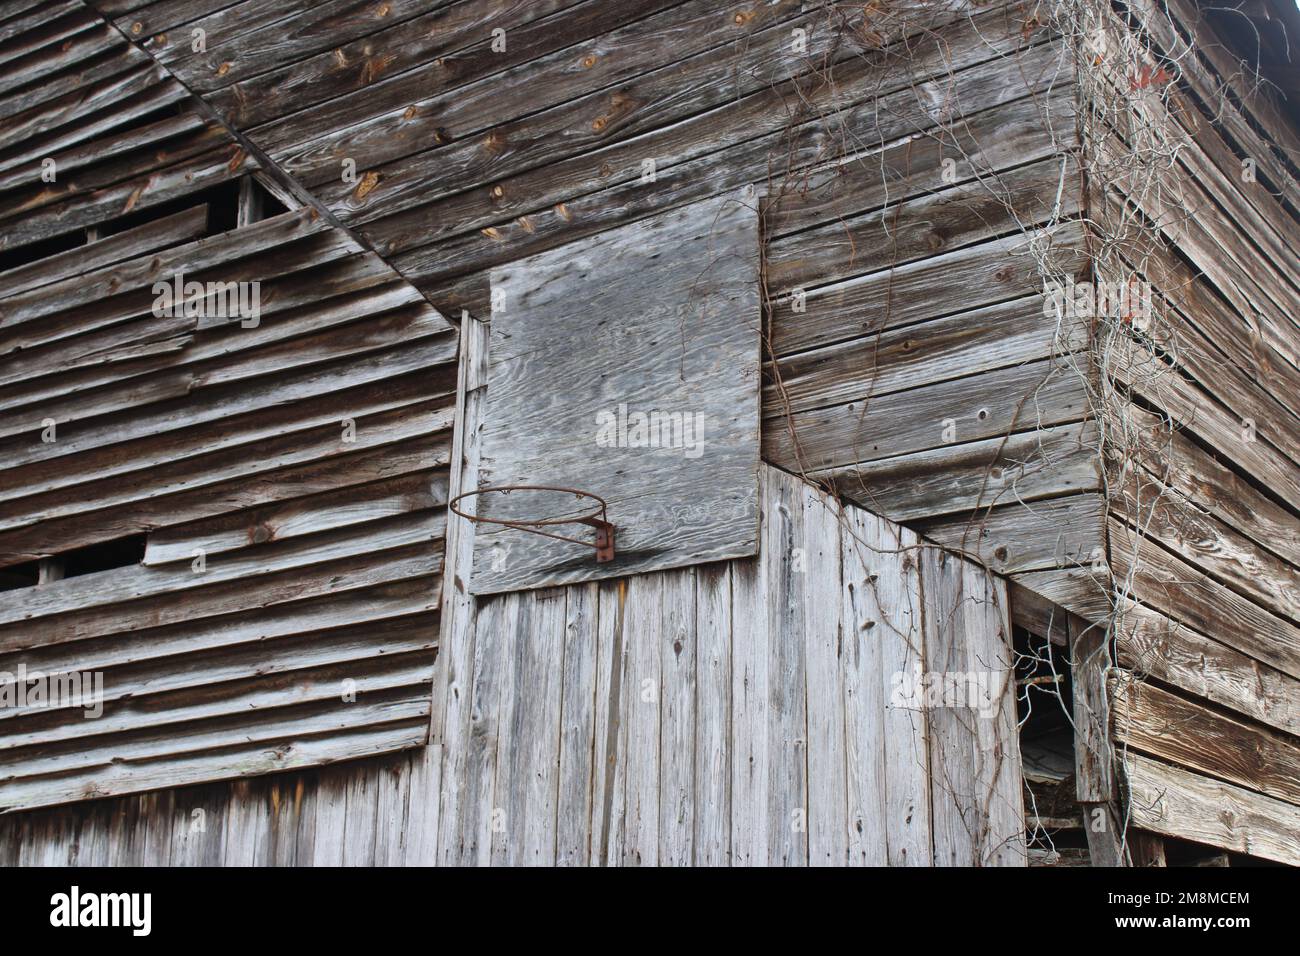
537 735
957 814
470 844
305 793
198 825
1094 774
393 792
865 631
822 597
787 789
577 727
749 694
677 650
608 770
420 840
331 818
510 644
453 675
641 702
998 780
713 774
360 820
900 605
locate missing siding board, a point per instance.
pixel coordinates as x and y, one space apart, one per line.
627 366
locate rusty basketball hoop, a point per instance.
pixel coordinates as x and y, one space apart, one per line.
597 519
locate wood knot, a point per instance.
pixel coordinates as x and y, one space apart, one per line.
1000 552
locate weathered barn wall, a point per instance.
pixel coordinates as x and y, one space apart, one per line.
304 453
745 712
909 151
1202 444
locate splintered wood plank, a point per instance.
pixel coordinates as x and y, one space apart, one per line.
573 836
654 324
678 646
714 748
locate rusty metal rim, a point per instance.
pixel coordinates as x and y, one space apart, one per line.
597 519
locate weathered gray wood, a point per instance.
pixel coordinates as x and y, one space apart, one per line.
750 698
982 407
1182 732
818 564
713 743
958 812
575 786
1025 467
642 702
1160 579
1176 803
1150 643
864 632
784 536
564 381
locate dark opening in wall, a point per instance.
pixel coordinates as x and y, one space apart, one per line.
120 553
1044 704
19 576
104 556
33 252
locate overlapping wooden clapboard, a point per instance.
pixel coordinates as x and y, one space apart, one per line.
304 458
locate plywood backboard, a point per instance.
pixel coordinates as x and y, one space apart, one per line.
626 365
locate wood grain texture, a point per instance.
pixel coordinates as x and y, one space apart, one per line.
1179 803
647 319
647 720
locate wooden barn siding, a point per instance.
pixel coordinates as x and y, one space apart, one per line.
323 555
736 713
921 304
1212 611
